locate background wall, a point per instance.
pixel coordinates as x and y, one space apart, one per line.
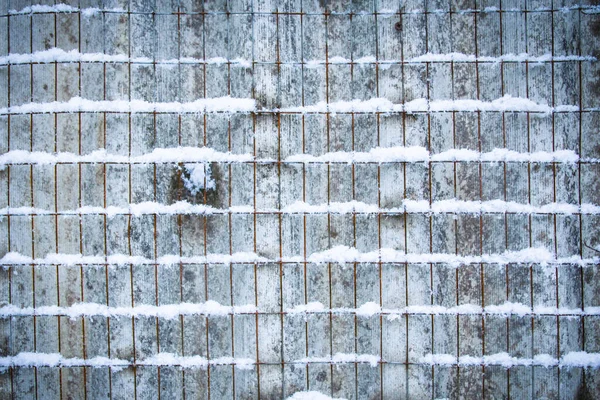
292 314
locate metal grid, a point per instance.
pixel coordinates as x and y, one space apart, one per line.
272 337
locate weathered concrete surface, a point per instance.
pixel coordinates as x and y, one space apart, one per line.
277 37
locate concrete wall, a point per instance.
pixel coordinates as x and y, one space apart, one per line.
290 352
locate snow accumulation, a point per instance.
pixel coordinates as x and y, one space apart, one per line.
579 359
169 359
232 105
212 308
413 154
78 104
505 103
168 311
160 359
56 360
196 181
344 254
370 309
311 395
62 56
338 254
62 8
450 57
572 359
342 358
13 258
157 156
198 177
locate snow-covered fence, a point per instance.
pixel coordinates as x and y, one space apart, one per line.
237 198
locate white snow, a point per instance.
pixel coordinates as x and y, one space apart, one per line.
158 156
368 309
344 254
196 183
78 104
338 254
198 177
169 359
378 154
168 311
311 395
505 103
309 308
412 154
62 56
572 359
342 358
28 359
519 58
13 258
62 8
453 57
506 309
579 359
161 359
40 8
212 308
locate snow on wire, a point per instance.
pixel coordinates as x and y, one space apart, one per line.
411 154
228 104
214 309
575 359
338 254
450 206
57 55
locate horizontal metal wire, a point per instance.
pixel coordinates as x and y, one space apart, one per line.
586 9
279 112
305 64
165 312
162 360
285 162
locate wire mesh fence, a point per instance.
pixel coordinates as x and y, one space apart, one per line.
247 199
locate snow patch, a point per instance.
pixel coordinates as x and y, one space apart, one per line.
579 359
198 177
78 104
61 8
167 311
503 104
412 154
311 395
342 358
